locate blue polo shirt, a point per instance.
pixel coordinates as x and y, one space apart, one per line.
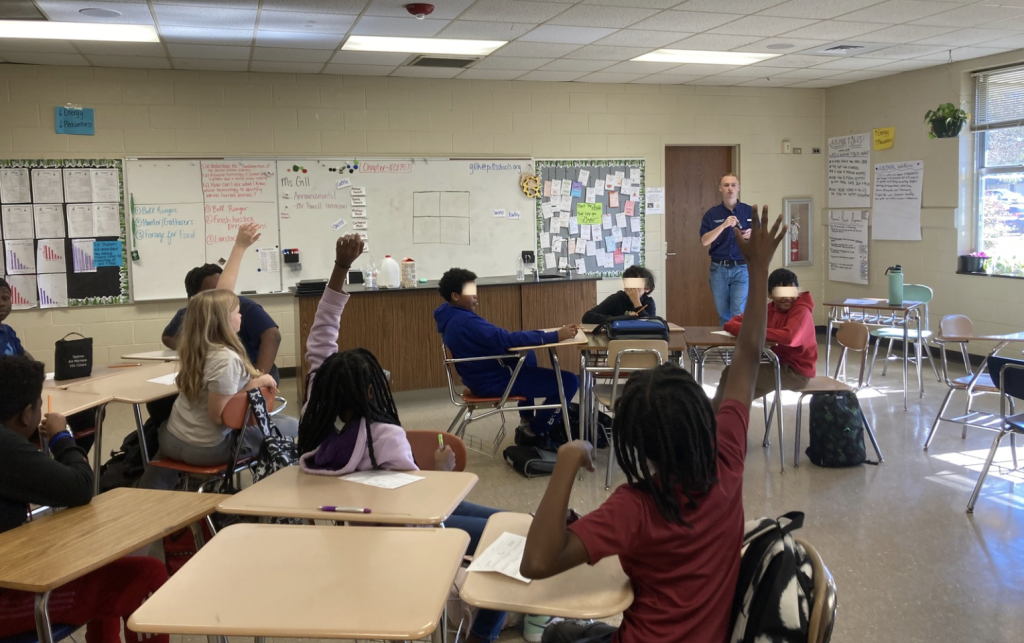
724 248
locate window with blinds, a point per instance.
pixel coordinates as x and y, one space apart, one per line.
998 99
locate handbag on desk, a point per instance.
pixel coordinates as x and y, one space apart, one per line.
72 358
632 327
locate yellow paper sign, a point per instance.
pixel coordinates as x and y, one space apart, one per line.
589 213
884 138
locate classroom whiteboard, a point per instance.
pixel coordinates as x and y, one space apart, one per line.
440 212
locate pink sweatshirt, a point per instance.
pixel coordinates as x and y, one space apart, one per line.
390 446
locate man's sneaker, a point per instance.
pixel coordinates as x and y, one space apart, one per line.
533 626
525 440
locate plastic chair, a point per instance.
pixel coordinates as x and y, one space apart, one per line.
824 601
626 356
911 292
852 336
961 326
424 444
1008 375
60 632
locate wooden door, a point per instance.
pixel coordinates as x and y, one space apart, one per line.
691 187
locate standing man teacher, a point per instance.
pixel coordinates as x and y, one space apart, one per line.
728 269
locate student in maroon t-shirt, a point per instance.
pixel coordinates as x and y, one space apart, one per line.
677 526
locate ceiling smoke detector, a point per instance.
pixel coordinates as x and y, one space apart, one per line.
419 10
99 13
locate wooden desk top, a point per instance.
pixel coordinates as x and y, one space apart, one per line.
312 582
49 552
583 592
294 494
871 303
708 337
1010 338
132 385
66 401
98 373
672 328
154 356
580 338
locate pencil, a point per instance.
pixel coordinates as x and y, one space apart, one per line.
123 365
641 309
49 404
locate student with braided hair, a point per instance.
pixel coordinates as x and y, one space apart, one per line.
677 523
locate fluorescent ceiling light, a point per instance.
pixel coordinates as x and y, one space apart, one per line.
704 57
77 31
422 45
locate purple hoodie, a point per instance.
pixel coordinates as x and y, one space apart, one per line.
390 446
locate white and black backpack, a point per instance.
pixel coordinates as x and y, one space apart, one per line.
775 589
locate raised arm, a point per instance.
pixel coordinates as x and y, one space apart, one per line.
322 341
758 251
248 234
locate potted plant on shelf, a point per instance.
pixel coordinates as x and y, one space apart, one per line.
946 120
972 263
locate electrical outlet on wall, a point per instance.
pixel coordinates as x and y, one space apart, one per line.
798 150
787 148
815 150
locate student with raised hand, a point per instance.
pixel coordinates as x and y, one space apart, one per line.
103 598
677 523
213 367
467 334
628 301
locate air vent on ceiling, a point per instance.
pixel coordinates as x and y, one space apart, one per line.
450 62
846 48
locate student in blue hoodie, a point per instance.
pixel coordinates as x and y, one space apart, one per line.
467 334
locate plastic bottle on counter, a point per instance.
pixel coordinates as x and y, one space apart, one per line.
390 275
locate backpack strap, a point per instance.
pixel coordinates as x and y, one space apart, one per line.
795 520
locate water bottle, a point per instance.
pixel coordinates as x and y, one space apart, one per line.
895 285
520 270
370 276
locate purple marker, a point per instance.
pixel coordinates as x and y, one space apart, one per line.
345 510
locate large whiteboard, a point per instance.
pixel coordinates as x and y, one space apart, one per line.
440 212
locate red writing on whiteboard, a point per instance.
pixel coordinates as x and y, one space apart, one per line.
385 168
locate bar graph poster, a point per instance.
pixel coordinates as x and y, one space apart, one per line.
20 256
83 250
53 291
23 291
50 256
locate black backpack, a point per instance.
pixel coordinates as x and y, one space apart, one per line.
633 327
276 451
557 433
772 564
530 461
125 466
837 431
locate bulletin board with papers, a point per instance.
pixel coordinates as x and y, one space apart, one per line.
62 224
590 215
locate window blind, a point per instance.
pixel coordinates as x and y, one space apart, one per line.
998 99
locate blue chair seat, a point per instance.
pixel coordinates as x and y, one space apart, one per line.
60 632
897 333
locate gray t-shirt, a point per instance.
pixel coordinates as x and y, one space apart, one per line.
224 374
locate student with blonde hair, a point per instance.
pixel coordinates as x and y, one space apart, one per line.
214 367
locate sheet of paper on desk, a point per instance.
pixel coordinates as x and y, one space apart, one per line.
167 380
382 479
860 302
504 556
724 333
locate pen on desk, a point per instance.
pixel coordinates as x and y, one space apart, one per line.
123 365
345 510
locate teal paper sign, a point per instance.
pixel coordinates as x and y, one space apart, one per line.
107 253
74 121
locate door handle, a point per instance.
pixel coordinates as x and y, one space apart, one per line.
670 254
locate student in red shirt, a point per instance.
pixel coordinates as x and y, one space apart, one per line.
791 327
677 525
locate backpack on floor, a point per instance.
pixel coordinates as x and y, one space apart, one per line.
837 431
557 433
775 589
530 461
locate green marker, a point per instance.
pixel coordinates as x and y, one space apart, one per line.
440 441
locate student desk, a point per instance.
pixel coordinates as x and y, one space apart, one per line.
291 493
153 356
44 554
312 582
98 373
586 591
880 313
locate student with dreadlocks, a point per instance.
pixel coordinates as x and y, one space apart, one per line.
677 525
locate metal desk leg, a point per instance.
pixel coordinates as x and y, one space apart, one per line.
142 433
43 628
97 450
778 403
584 393
561 392
906 356
917 349
828 338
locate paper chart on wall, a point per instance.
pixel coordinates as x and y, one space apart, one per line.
897 201
848 246
49 220
14 185
17 222
849 158
47 186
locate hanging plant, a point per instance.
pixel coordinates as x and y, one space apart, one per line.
946 120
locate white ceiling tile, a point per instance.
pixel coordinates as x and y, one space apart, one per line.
292 55
817 9
234 4
903 65
809 74
799 44
208 51
536 49
65 11
295 40
855 76
206 17
473 30
763 26
1013 42
38 58
204 36
566 34
964 37
405 27
900 34
685 21
316 6
796 61
833 30
134 62
658 79
518 11
604 52
601 16
42 46
119 48
553 76
641 38
637 67
963 53
567 64
303 22
426 72
1016 24
904 51
521 63
821 83
490 74
896 12
369 58
209 64
853 64
723 81
285 68
359 70
727 6
755 72
713 42
972 16
698 70
608 77
774 81
643 4
447 10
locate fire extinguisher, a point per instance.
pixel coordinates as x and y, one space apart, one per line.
794 242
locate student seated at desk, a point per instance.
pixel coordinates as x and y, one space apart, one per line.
102 598
628 301
677 524
791 326
467 334
214 367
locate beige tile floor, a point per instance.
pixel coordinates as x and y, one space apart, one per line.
909 563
